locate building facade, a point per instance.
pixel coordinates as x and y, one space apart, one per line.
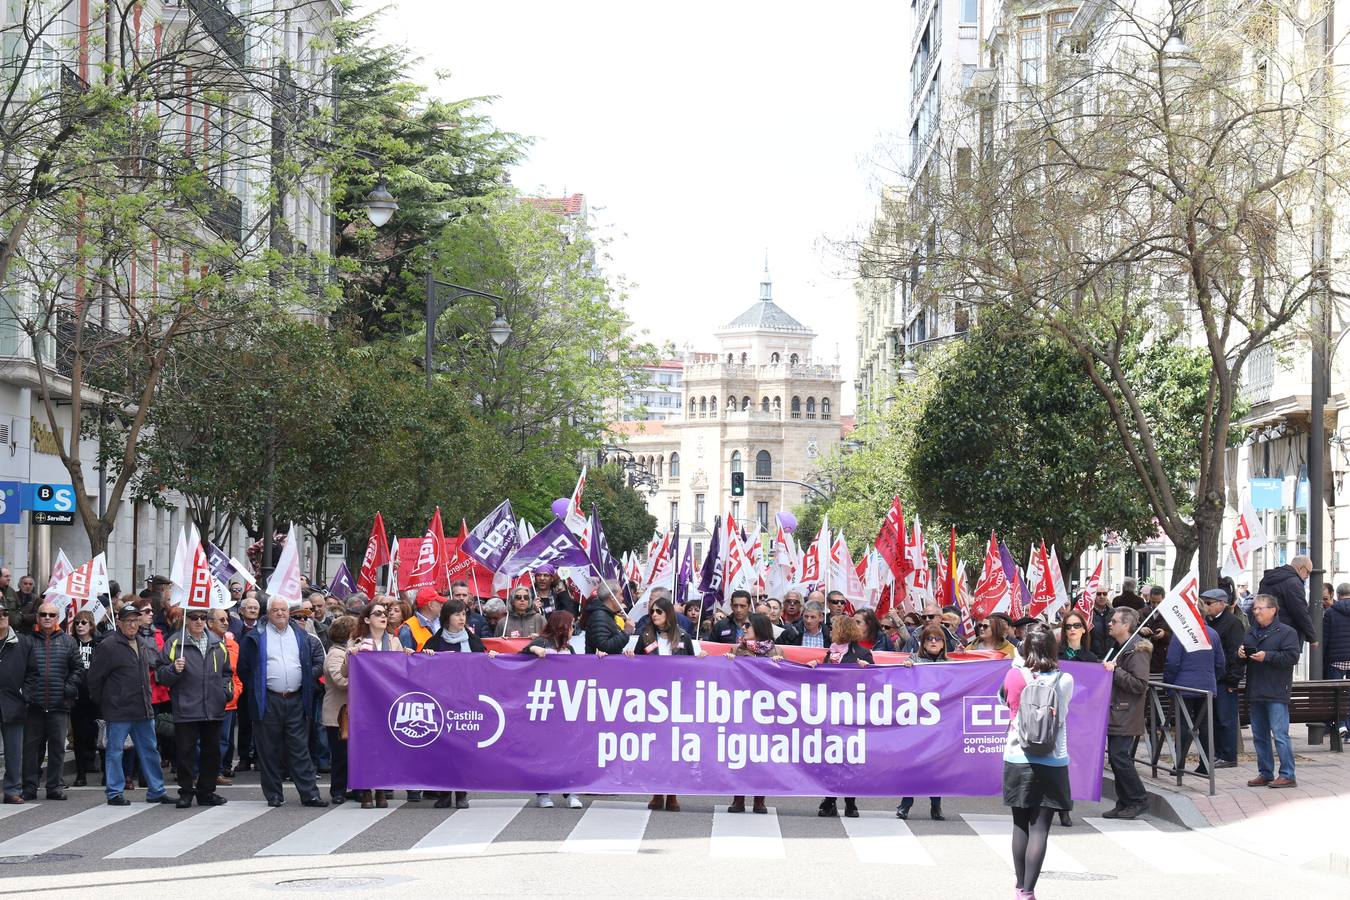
763 405
661 398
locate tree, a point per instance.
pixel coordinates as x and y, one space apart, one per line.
623 514
1138 187
122 244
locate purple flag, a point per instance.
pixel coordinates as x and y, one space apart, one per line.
710 578
343 585
1011 571
493 539
685 574
604 563
553 544
462 721
218 561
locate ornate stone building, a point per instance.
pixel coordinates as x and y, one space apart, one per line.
762 405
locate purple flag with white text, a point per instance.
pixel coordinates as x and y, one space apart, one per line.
553 544
218 561
343 585
492 540
685 574
710 578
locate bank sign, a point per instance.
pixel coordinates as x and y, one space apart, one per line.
52 504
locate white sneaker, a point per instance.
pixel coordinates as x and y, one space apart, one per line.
544 800
573 801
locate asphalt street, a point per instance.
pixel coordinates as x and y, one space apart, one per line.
504 845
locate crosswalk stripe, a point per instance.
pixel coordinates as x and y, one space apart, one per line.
746 835
1169 852
192 832
881 838
14 809
329 831
46 838
996 831
609 826
471 831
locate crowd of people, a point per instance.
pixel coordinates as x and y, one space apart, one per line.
208 693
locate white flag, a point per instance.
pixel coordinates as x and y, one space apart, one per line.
1250 535
576 518
180 573
1062 599
285 581
1181 610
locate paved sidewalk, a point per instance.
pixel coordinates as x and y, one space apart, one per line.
1301 825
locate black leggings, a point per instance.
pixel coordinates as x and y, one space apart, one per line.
1030 839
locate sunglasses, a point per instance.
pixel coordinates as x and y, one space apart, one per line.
981 627
888 628
1076 625
836 602
43 615
933 616
521 597
196 617
932 640
300 615
376 612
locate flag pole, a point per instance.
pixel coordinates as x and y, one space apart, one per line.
1142 623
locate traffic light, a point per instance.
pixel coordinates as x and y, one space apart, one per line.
738 484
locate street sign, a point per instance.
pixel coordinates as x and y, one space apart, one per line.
46 517
11 502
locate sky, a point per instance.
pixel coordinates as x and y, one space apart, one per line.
702 134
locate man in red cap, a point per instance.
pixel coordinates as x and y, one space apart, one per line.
425 622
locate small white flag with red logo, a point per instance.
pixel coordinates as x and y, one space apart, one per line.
1181 609
1249 535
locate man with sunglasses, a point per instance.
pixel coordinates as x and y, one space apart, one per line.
196 669
54 673
932 615
1099 636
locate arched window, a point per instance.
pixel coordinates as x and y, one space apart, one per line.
763 464
674 465
745 358
735 460
764 405
793 359
777 404
774 358
824 407
731 358
712 407
691 407
702 407
745 403
810 407
661 466
796 407
731 404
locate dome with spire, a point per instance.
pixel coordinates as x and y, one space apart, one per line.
765 315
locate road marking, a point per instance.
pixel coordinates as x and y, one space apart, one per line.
1168 852
996 831
13 809
609 826
48 837
881 838
468 832
329 831
191 833
746 835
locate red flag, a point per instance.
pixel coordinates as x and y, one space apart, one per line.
377 554
1043 591
992 588
428 570
1089 598
890 541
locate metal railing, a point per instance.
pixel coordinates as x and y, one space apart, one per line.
223 26
1168 722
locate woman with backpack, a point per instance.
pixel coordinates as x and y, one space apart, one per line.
1036 757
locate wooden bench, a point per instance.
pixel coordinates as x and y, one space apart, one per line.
1311 702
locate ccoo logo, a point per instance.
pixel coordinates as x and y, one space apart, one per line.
985 715
416 719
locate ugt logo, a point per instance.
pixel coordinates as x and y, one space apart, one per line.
984 715
415 719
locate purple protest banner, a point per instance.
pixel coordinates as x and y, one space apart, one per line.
460 721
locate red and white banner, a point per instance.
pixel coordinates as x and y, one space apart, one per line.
377 554
1039 581
285 581
1250 535
992 591
1089 598
576 518
1181 609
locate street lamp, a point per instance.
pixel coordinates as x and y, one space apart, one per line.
380 204
499 330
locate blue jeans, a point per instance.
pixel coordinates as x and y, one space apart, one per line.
1271 719
146 743
1225 724
226 734
1334 674
11 733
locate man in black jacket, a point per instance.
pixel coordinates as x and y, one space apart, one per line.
1271 650
14 654
1101 623
195 667
53 682
1287 585
603 633
1230 632
730 629
119 682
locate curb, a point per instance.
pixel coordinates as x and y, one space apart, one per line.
1169 806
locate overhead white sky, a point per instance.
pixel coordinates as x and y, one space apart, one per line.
702 134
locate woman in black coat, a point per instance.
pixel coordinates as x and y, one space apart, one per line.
844 649
603 633
663 636
455 637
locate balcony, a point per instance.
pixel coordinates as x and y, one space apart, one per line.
223 26
73 89
1259 377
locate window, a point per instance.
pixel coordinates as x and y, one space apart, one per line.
702 407
735 460
691 407
674 513
712 407
970 10
745 403
777 404
824 407
731 404
810 407
1029 49
745 358
674 465
762 513
794 359
796 407
660 466
731 358
736 510
698 509
764 405
1059 28
763 464
774 358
